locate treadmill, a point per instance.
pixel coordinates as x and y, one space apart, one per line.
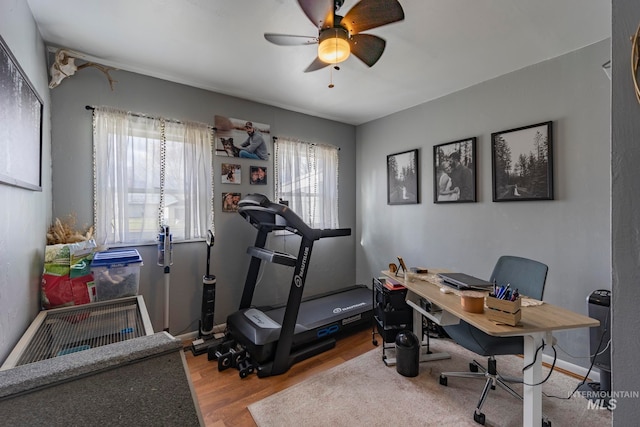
278 337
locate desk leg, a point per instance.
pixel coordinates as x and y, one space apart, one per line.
532 395
425 352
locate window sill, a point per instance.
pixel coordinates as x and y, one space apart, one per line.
130 245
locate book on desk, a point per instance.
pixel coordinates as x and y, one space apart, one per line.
393 284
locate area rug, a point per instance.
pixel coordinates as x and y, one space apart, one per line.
366 392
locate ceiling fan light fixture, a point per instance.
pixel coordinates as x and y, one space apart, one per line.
333 46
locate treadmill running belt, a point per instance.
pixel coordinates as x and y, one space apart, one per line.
322 311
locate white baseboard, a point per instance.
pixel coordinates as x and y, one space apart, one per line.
594 375
190 336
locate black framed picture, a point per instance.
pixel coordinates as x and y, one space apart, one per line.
454 171
522 163
21 130
403 178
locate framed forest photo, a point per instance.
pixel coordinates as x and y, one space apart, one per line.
20 125
454 171
522 163
403 178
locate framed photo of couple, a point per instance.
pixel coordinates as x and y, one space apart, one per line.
454 169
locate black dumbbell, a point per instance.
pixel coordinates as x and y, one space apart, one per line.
238 356
224 360
215 350
246 368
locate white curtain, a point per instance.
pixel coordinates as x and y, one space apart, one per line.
307 176
189 157
149 172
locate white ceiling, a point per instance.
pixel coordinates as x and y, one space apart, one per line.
442 46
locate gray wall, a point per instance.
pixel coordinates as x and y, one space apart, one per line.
569 234
24 215
625 214
332 260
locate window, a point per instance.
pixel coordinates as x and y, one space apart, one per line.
150 172
306 175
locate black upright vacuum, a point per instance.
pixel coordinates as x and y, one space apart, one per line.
206 336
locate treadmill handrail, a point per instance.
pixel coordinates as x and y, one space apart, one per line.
252 206
335 232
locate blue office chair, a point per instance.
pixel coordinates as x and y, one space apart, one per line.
529 277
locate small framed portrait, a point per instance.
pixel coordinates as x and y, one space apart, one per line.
522 163
231 174
454 171
403 178
230 202
258 175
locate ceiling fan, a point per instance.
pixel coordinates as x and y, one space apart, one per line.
339 36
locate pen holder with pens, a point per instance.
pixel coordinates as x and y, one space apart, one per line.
503 311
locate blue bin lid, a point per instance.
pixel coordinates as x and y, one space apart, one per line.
116 257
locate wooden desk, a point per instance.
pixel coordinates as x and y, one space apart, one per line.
536 325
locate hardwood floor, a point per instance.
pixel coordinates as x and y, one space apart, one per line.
224 396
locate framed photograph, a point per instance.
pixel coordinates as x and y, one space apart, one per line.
242 138
454 172
522 163
230 202
231 174
21 125
403 178
258 175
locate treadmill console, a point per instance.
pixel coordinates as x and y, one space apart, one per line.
269 216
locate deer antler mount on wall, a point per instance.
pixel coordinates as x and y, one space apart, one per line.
65 66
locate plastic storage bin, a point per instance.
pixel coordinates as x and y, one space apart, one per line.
116 273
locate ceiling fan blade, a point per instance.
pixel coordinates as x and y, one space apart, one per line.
368 14
290 40
319 12
316 65
368 48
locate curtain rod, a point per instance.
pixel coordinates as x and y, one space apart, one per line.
275 138
91 107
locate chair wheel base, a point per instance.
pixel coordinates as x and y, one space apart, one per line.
478 417
443 380
473 367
